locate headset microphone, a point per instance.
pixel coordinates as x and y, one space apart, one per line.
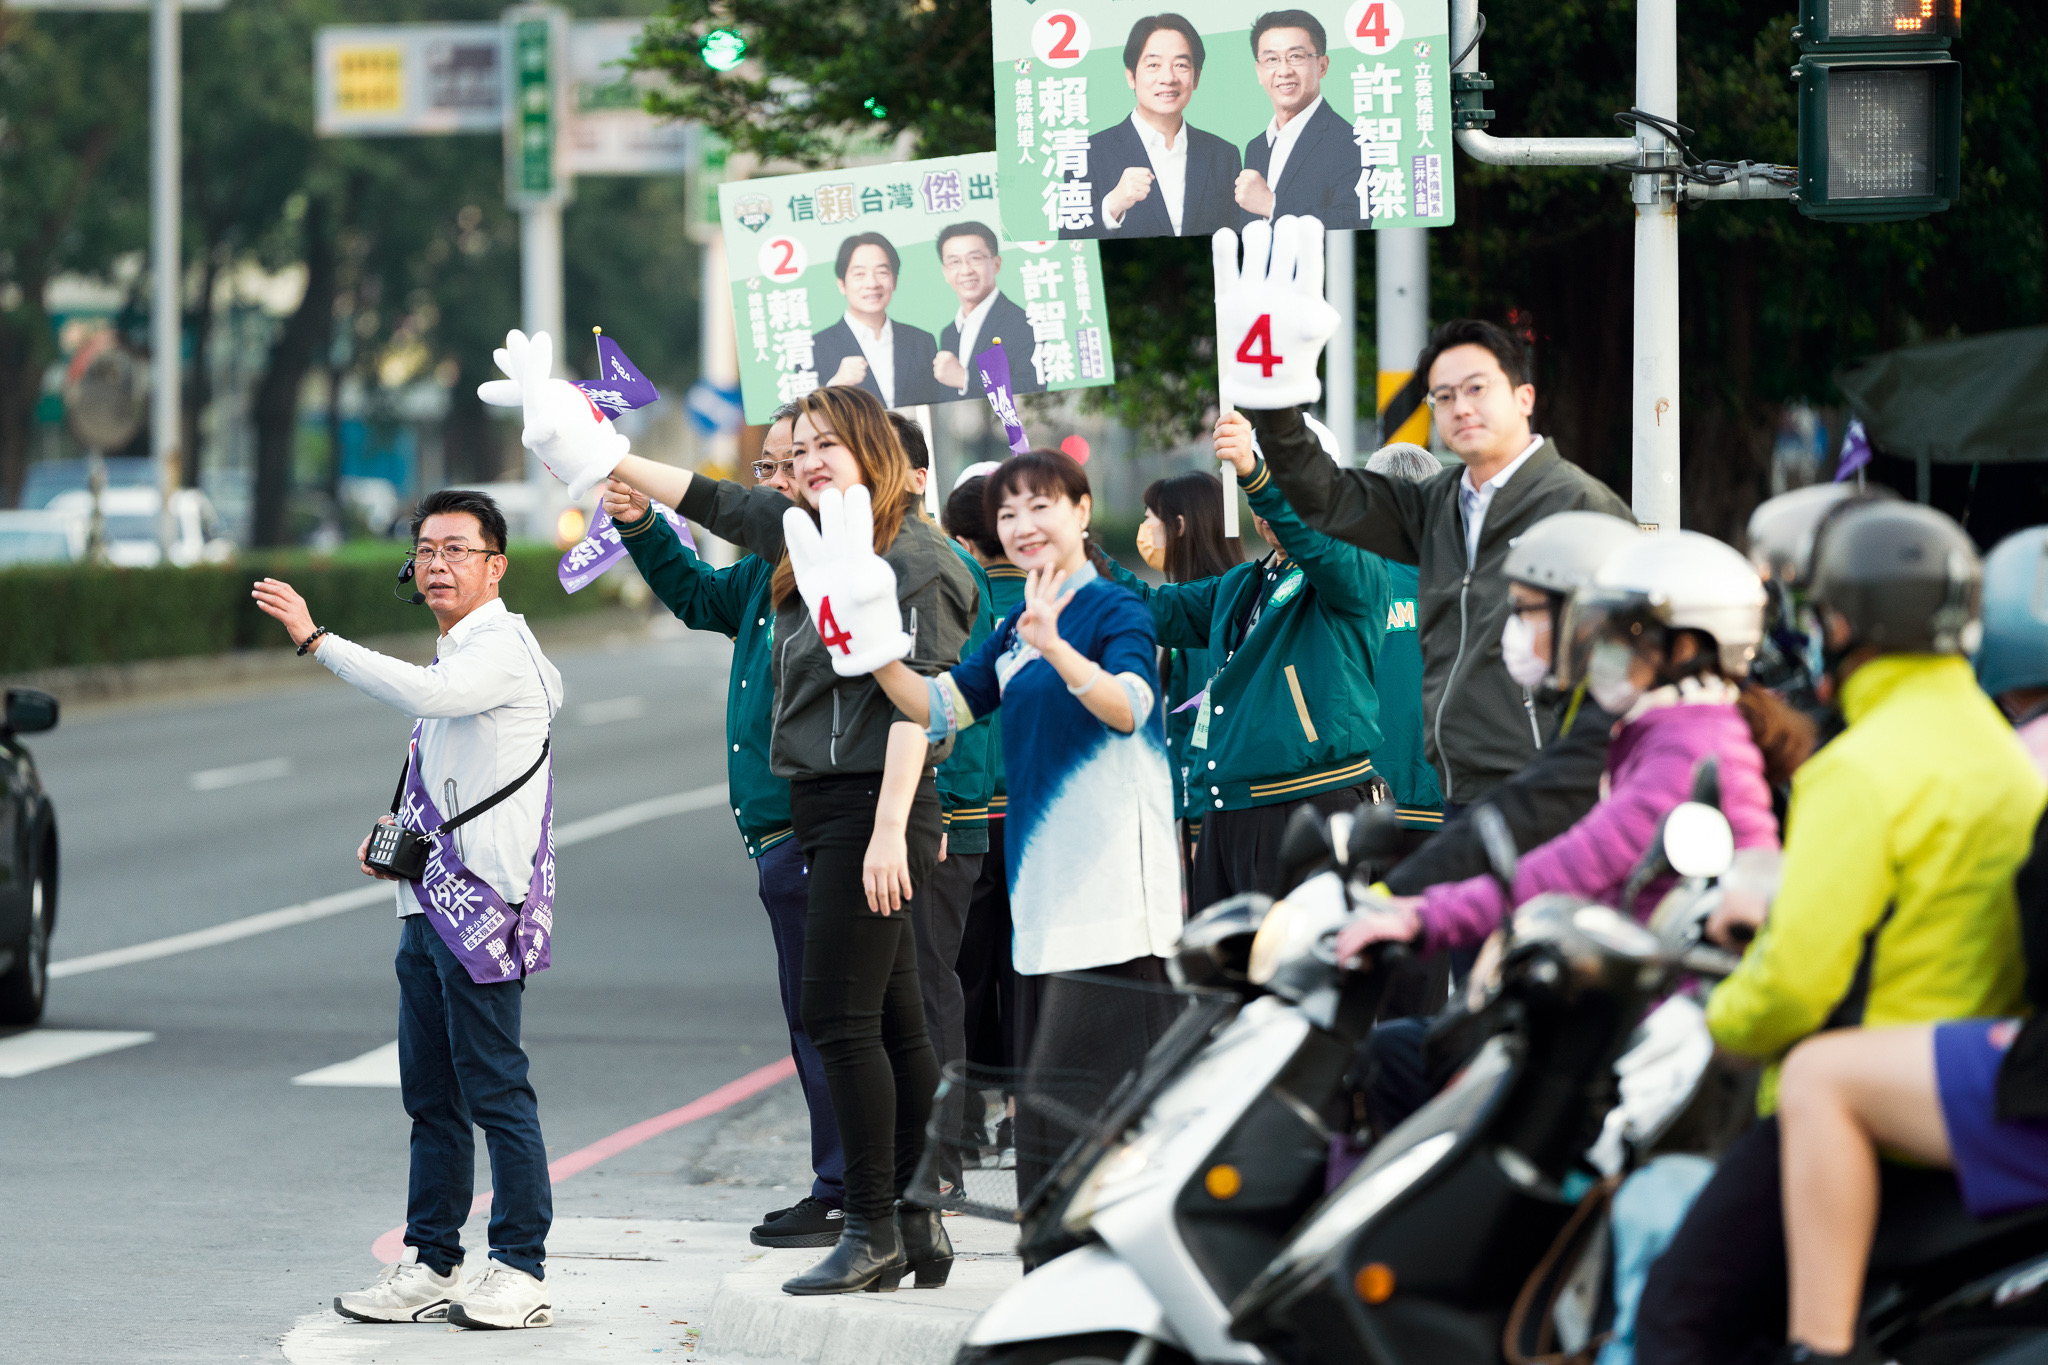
405 576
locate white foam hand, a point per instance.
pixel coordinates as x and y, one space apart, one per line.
849 590
1271 317
577 443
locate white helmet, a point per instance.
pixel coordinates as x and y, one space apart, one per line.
1680 580
1562 551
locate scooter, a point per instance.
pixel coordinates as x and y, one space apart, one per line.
1193 1181
1475 1231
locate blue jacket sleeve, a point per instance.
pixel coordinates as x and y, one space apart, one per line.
975 675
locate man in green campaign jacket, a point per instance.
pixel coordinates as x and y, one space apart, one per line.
1293 714
1400 759
735 603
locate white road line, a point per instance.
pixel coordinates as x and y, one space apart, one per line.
39 1049
378 1066
376 893
605 712
240 775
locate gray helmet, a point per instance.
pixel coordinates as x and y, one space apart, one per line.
1781 531
1564 550
1906 578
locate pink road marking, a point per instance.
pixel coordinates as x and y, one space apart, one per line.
391 1245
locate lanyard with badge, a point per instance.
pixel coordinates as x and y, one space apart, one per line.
1288 586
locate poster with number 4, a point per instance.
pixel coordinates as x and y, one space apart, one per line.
1115 122
893 278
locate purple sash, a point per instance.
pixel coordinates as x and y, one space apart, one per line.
493 941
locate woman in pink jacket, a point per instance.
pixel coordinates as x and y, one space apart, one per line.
1667 630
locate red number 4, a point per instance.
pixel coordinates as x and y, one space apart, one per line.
831 632
1266 358
1373 24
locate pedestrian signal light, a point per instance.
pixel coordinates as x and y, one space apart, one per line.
1880 109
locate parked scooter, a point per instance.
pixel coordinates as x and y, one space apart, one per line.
1475 1231
1151 1226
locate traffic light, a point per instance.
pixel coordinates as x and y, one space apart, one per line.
1880 108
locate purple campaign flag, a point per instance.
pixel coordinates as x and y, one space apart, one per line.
589 557
994 368
1856 451
619 386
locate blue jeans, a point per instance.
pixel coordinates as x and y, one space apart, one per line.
786 895
459 1064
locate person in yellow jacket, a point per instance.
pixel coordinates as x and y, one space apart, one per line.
1896 904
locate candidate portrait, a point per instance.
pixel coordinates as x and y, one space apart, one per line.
1305 162
1154 174
867 348
971 260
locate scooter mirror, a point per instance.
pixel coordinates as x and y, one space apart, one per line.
1698 841
1501 856
1375 842
1305 848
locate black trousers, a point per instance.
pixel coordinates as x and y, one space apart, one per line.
939 917
1239 850
861 1002
1717 1296
988 981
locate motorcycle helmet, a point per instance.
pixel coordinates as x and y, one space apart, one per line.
1781 531
1556 556
1904 578
1678 580
2014 652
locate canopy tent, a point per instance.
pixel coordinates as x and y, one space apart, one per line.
1980 400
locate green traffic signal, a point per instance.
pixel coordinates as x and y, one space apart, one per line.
722 49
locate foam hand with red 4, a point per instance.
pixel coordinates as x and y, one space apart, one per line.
849 590
577 443
1271 317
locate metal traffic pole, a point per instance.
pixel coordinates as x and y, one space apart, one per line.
166 321
1401 321
1340 389
1653 406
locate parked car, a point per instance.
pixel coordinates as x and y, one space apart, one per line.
40 537
28 861
131 531
48 478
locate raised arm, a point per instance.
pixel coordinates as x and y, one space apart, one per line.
1346 578
1356 506
1181 612
702 598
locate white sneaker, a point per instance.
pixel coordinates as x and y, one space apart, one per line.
405 1291
504 1296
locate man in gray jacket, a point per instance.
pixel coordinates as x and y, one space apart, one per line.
1479 724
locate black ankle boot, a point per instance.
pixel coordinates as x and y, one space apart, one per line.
925 1245
869 1257
1799 1353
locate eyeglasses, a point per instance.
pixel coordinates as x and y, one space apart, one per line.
765 470
1472 391
1300 56
454 556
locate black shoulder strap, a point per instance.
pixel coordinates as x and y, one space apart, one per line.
403 768
501 793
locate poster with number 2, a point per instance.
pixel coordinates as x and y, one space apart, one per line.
1114 122
893 277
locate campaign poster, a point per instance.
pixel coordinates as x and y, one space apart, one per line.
1118 120
893 278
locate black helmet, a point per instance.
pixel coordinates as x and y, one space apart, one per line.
1906 578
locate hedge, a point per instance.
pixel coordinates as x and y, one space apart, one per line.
57 615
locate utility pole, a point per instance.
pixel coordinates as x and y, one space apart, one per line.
1340 368
1655 188
1401 305
166 319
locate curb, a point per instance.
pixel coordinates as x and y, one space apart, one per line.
752 1319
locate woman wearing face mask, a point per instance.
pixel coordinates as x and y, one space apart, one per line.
1182 537
1668 629
865 807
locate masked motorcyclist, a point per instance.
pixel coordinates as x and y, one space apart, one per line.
1896 905
1971 1095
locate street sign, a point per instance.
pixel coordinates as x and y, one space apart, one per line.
1880 109
535 36
372 79
609 131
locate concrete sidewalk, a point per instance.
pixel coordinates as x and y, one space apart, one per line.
649 1256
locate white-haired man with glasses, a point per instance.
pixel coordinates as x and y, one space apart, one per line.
483 709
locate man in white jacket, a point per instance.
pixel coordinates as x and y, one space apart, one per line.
479 920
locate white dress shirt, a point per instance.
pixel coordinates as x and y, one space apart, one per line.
1280 143
1169 170
880 349
487 702
969 322
1475 501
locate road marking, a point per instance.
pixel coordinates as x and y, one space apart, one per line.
605 712
39 1049
240 775
376 893
391 1245
378 1066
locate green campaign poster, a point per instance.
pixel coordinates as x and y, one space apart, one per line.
893 277
1112 121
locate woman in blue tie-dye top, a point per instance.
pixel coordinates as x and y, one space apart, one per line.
1094 874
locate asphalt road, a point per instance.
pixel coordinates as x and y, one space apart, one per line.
182 1199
